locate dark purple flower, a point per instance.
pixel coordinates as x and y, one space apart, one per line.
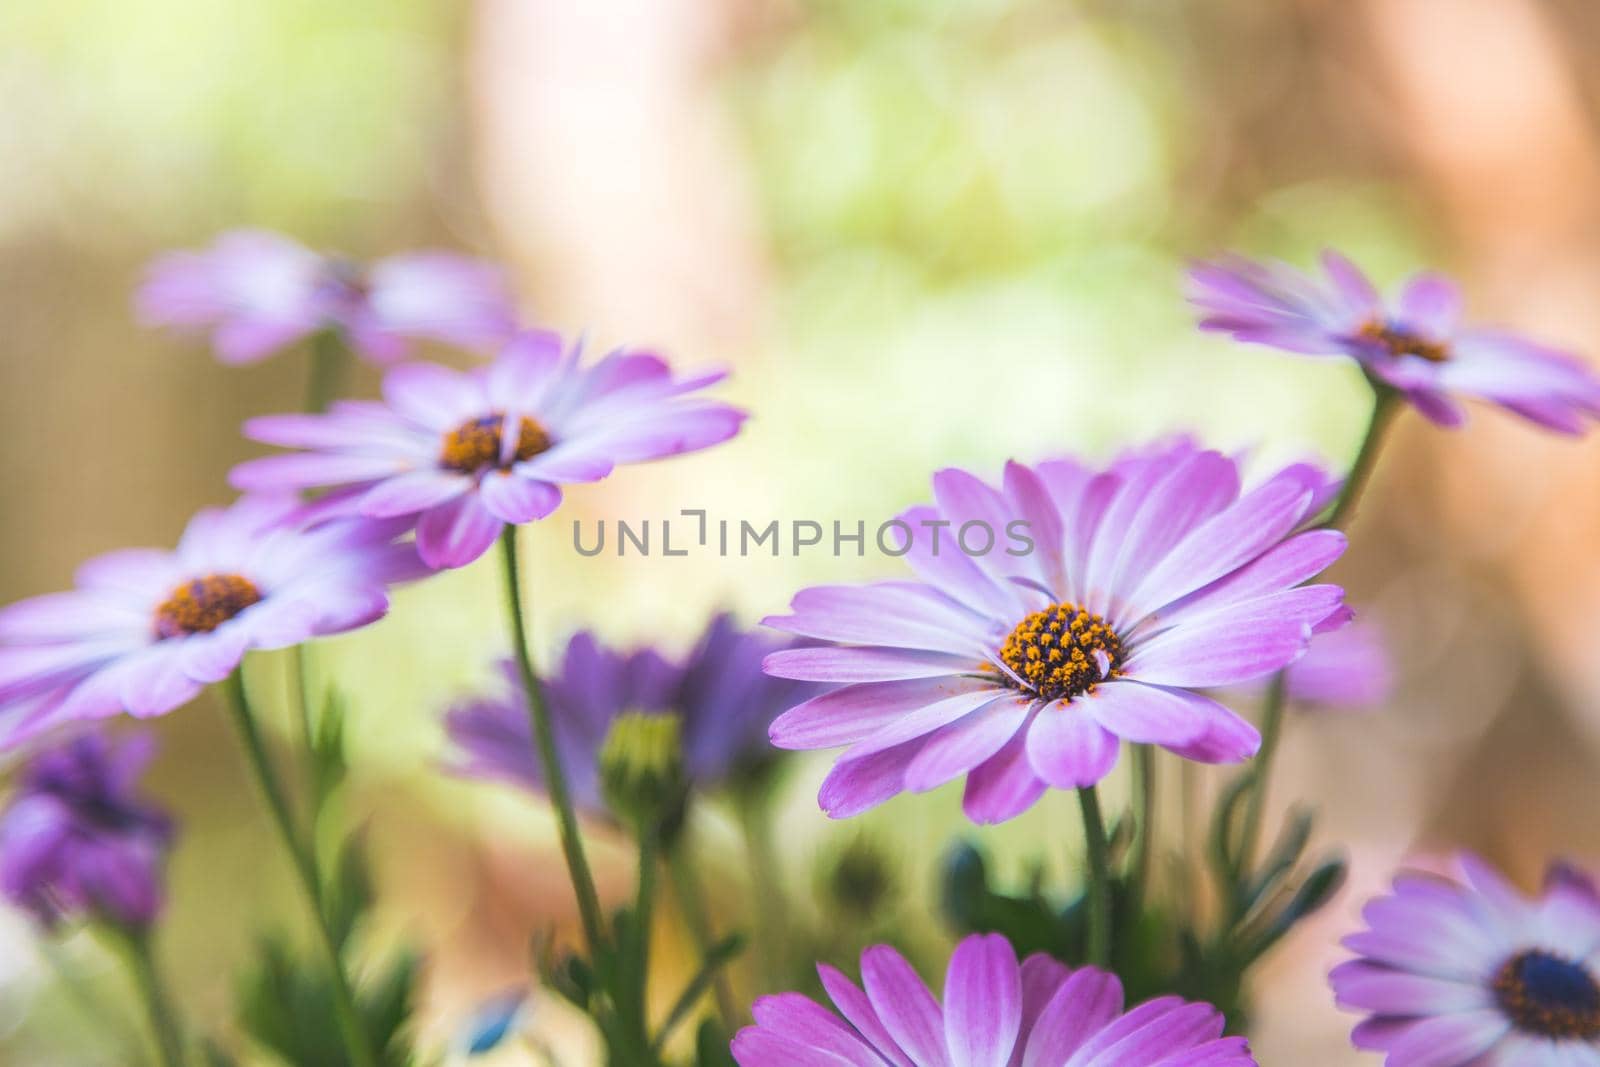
1147 581
145 629
257 292
1474 974
995 1013
725 700
463 454
1415 344
77 841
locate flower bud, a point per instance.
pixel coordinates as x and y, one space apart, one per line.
860 881
641 771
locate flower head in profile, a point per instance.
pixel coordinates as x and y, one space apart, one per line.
257 292
995 1013
1143 583
146 629
1416 344
719 691
76 839
1458 973
464 454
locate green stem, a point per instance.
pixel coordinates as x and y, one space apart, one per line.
643 919
1271 731
755 820
356 1039
544 737
1385 405
691 904
1144 773
1099 890
327 365
164 1028
305 700
329 361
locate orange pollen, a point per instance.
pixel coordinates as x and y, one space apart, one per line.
476 445
1062 651
1546 995
202 605
1403 343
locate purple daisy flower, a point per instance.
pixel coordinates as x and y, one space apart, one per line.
1146 582
465 453
996 1013
145 629
77 841
725 700
1415 344
1464 973
257 292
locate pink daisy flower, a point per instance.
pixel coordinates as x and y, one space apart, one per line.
1472 973
996 1013
257 292
146 629
1148 581
464 453
1415 344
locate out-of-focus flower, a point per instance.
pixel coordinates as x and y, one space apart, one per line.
257 292
1472 972
1415 344
145 629
1346 670
465 453
497 1019
1141 584
725 701
76 841
995 1012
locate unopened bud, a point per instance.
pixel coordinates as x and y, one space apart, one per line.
860 880
641 770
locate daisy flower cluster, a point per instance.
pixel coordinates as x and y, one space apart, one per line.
1171 603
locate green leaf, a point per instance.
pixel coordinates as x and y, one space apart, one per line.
286 1007
214 1056
349 893
1031 923
1280 862
1313 894
712 1046
717 957
330 764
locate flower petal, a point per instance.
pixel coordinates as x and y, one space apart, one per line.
1068 749
982 1002
908 1011
514 499
455 534
1003 786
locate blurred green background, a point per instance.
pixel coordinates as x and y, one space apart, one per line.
924 233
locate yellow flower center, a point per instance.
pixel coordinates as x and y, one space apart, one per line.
1400 342
1062 651
476 445
202 605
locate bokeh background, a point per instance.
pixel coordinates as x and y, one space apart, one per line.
924 233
